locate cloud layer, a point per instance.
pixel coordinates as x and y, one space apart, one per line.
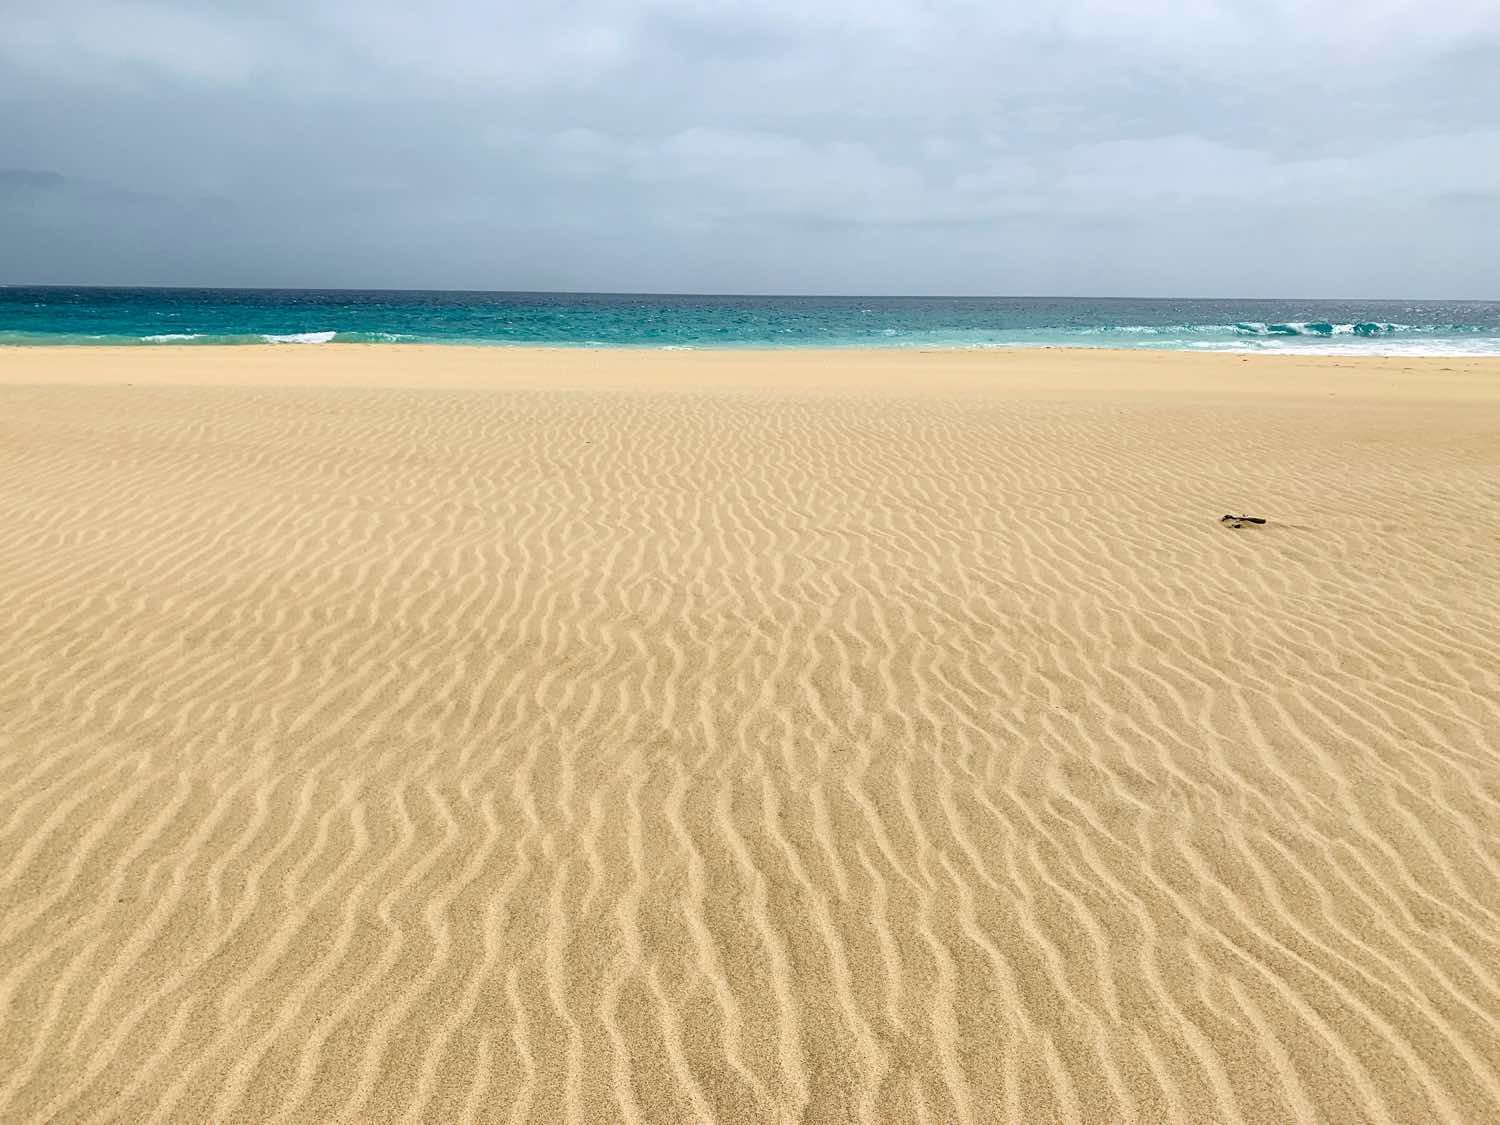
892 146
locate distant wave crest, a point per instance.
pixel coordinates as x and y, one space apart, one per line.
1367 328
155 339
299 338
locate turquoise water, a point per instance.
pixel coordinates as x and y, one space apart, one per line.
166 317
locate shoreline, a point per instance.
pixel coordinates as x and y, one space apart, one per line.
1294 352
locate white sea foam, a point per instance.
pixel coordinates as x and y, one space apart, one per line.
168 337
300 338
1489 346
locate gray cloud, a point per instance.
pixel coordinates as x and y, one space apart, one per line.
884 146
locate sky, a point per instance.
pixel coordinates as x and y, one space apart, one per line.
1322 148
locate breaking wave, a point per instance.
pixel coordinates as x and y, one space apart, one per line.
1367 328
300 338
219 339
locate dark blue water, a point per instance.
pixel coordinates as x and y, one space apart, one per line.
48 315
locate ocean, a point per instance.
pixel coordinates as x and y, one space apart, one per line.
177 317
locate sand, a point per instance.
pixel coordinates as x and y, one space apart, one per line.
421 734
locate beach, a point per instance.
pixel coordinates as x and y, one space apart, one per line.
409 733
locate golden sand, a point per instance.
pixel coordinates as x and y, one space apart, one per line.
423 734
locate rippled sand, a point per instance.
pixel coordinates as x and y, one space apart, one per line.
472 734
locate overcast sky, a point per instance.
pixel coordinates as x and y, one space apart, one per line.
1223 147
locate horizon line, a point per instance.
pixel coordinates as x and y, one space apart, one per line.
741 295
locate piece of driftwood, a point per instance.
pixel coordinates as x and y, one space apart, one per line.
1240 521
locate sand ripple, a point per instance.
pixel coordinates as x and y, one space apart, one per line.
434 756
